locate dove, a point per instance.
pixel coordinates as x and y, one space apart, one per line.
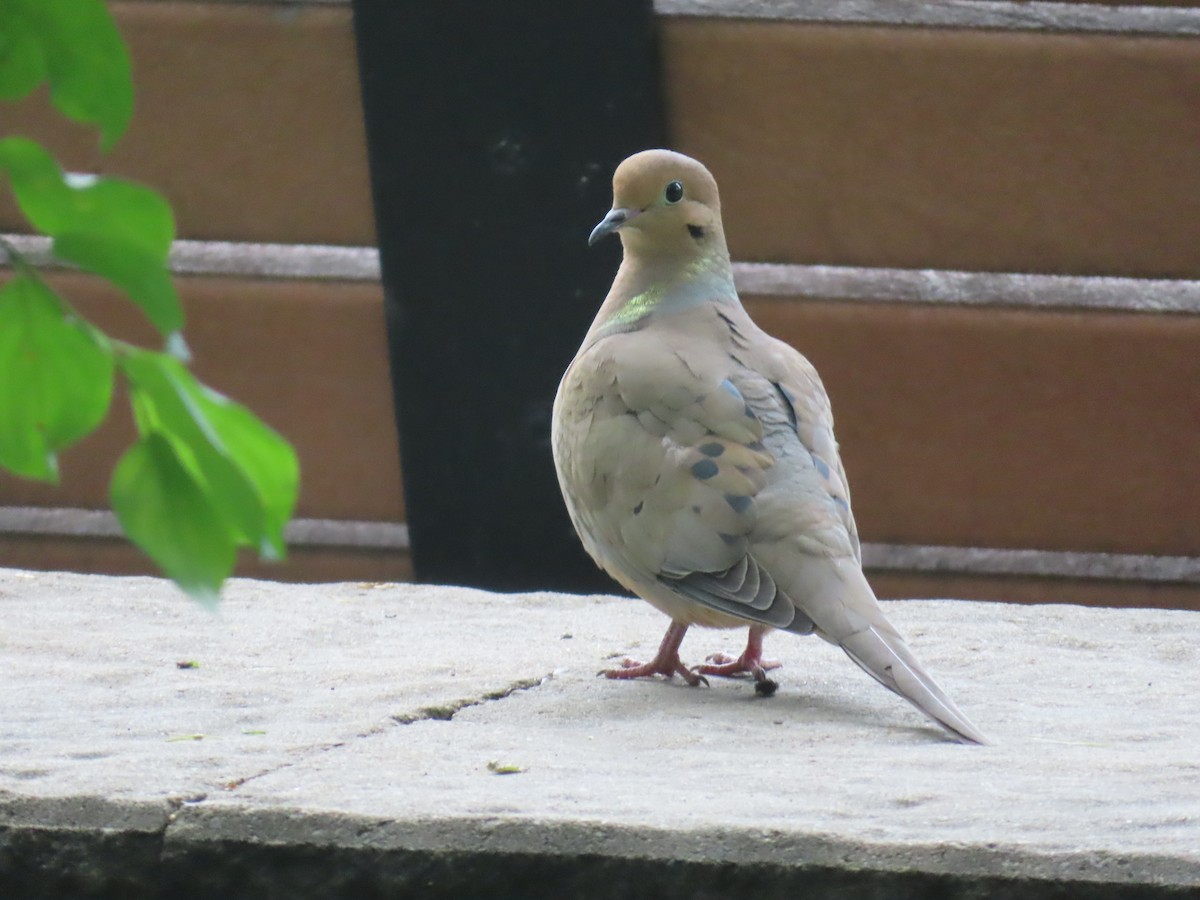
697 458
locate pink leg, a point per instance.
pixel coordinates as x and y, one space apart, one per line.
665 662
750 662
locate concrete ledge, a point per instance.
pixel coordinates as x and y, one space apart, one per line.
367 739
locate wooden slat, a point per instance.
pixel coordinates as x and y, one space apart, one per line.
1102 16
247 118
119 557
914 148
856 145
901 586
1041 430
898 586
309 358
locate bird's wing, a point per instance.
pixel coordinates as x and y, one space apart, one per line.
664 493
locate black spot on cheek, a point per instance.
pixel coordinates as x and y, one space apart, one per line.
696 231
712 449
704 469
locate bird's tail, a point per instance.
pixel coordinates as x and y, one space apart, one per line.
843 608
886 658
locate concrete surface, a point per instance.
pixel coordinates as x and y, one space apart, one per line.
389 739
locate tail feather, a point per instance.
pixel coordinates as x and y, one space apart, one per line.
887 659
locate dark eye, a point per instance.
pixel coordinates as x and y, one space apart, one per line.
674 192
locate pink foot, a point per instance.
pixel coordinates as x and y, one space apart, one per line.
666 661
727 665
751 662
631 668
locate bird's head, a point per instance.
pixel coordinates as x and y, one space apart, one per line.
664 204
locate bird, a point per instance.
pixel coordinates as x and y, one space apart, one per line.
697 458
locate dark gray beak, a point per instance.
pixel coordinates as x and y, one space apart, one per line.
610 223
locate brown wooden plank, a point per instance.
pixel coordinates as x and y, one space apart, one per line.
959 149
119 557
1007 589
968 427
310 358
247 117
1010 428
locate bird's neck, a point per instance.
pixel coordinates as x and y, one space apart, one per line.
661 286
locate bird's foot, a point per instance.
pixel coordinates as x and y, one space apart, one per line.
751 662
727 665
670 666
665 662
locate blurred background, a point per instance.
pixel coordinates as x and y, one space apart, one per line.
978 220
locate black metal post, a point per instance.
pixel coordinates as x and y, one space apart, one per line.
493 130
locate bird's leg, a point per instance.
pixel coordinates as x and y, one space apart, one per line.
750 662
665 662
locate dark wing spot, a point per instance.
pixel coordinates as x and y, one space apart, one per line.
733 329
712 448
696 231
637 509
789 403
704 469
739 503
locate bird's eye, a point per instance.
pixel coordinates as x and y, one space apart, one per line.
674 192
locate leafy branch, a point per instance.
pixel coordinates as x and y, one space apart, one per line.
205 475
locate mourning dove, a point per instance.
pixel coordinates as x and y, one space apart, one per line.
697 458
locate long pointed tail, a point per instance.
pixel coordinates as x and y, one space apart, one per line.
887 659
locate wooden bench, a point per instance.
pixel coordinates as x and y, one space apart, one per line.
1031 436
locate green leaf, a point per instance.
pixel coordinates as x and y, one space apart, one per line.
85 59
250 471
172 518
264 456
22 67
145 279
57 379
117 229
57 204
161 407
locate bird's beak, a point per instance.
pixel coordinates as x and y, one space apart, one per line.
610 223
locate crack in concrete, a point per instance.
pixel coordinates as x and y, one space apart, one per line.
447 711
443 712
